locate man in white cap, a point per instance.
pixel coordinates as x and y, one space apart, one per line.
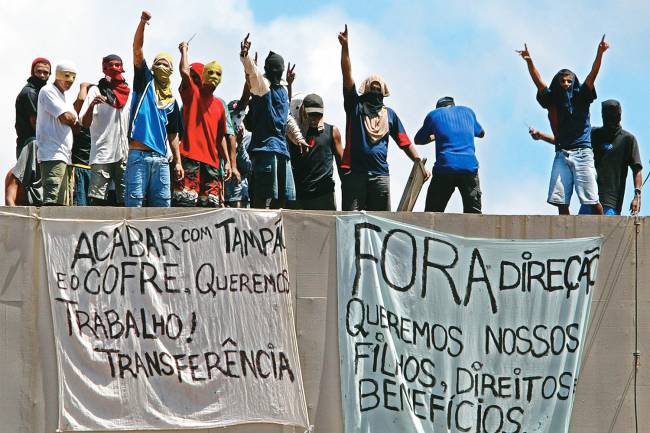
54 120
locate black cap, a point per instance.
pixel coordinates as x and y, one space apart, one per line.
313 104
445 102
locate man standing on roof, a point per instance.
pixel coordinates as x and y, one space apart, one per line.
204 145
453 128
272 182
27 101
54 121
81 153
155 122
568 102
106 111
314 169
369 124
236 191
615 150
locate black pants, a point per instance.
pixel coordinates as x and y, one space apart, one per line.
321 202
442 187
365 192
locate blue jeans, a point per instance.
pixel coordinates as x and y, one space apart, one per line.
272 179
147 179
608 211
81 183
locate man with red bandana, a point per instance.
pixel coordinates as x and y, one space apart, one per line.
106 113
204 149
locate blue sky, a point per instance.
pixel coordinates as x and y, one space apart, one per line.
424 49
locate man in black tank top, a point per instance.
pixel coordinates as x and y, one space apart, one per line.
313 169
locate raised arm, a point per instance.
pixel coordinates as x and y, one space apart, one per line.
595 68
138 39
184 66
346 64
539 135
532 70
258 84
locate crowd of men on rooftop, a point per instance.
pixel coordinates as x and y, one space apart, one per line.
134 146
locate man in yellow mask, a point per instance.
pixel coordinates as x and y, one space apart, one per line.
204 151
155 124
54 121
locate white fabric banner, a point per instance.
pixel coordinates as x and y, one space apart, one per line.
444 333
173 323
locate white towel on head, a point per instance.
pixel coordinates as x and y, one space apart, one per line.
66 66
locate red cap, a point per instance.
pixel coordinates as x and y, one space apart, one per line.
40 60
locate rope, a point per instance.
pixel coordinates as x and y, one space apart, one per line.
636 356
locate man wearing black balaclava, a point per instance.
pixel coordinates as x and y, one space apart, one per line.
271 183
27 101
615 150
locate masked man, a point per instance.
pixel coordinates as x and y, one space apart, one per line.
204 148
272 184
54 121
155 123
106 112
370 125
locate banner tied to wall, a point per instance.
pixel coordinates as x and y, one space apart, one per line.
445 333
173 324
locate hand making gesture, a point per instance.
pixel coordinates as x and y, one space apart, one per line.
343 37
525 54
245 46
602 46
145 17
291 75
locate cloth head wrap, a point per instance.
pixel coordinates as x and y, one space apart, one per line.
612 112
115 71
113 87
564 98
162 79
66 71
375 115
196 72
365 85
274 67
446 101
236 114
212 73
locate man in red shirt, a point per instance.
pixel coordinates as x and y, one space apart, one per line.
204 142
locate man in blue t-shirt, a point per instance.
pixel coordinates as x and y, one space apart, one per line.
369 125
453 128
155 121
567 102
271 184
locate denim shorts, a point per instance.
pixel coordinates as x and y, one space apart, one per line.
573 169
147 179
272 177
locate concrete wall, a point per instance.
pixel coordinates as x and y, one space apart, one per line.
604 401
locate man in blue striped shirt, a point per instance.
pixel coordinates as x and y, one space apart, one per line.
453 128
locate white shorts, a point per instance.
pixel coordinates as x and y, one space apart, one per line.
573 168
